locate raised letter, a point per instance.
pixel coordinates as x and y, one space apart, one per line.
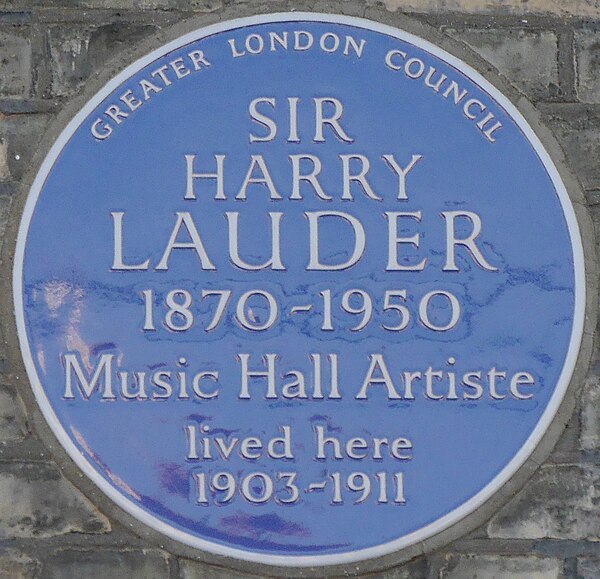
118 245
258 161
322 440
378 363
394 241
468 242
197 57
521 379
185 218
234 51
275 261
310 177
359 240
360 177
402 173
262 120
247 374
469 105
107 130
214 376
332 121
87 387
390 62
190 193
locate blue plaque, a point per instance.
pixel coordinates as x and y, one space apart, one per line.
299 289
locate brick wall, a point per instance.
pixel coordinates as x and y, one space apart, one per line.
549 49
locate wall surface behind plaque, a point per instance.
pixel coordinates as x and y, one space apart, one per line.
48 48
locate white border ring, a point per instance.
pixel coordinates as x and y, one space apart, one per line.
422 534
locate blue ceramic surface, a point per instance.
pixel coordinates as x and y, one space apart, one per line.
87 314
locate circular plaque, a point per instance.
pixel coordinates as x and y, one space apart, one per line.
299 289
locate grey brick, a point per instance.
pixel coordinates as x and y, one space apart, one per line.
587 58
14 565
69 58
195 5
20 136
4 167
36 501
194 570
413 570
75 564
77 52
12 419
583 8
588 568
578 131
590 415
5 203
527 58
497 567
568 444
15 62
348 8
586 8
559 502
